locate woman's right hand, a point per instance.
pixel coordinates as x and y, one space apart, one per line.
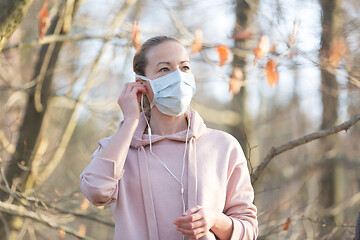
130 98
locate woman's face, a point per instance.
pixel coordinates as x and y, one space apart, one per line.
165 58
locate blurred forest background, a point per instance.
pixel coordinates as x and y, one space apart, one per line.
282 76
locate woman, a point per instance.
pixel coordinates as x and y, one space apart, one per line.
165 174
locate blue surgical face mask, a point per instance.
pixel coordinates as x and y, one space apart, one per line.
172 92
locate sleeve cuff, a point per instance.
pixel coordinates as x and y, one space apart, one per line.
242 230
105 167
238 230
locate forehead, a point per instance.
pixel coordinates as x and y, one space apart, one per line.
168 51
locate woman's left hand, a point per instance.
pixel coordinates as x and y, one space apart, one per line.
196 222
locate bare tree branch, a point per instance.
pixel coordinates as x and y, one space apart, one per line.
59 153
6 226
8 146
300 141
32 203
65 38
85 216
40 217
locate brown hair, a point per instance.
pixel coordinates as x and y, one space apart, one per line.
140 61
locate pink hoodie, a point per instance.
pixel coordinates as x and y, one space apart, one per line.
146 199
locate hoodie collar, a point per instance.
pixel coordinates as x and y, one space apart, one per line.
197 128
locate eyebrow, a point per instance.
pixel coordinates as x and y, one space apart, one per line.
169 63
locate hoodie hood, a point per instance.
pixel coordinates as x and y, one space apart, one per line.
197 128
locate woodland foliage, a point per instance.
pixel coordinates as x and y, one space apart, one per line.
284 76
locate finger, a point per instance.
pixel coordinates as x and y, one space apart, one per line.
193 210
136 90
194 217
200 235
190 221
197 216
136 83
139 92
132 90
188 213
198 224
193 234
139 80
193 225
130 85
125 88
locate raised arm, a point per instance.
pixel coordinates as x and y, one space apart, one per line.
100 178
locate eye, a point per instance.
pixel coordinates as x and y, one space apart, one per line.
164 69
185 68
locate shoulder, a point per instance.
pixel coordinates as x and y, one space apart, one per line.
224 141
220 136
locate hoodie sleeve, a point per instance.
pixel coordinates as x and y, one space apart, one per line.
99 180
239 199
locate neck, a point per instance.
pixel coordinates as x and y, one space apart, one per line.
162 124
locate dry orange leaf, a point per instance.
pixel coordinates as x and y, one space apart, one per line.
272 74
224 52
82 230
235 81
294 34
57 192
242 35
292 54
136 35
62 233
262 48
43 21
286 225
198 41
337 52
84 204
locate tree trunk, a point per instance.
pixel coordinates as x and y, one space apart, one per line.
35 112
33 117
11 14
330 173
238 104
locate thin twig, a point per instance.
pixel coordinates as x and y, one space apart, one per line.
81 215
35 202
12 193
6 226
59 153
40 217
177 22
9 147
300 141
40 78
333 211
65 38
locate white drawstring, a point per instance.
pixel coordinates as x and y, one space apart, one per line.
183 167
